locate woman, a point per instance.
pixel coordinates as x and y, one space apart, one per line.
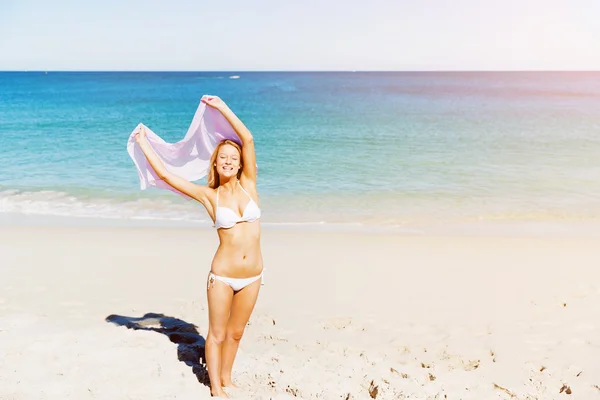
231 200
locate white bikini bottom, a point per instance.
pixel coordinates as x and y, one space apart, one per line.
236 284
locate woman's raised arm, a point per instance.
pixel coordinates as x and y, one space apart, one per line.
248 152
198 192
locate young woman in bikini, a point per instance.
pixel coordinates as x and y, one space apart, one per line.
231 200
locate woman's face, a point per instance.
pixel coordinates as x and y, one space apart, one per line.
228 161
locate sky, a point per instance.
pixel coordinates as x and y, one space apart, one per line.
267 35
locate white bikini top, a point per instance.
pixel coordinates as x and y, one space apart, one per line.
226 218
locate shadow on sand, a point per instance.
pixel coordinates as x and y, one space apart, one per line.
190 344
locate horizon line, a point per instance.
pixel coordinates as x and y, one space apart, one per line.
296 71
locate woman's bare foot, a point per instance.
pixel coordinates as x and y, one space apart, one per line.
226 382
219 394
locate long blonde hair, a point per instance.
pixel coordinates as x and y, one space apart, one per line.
213 179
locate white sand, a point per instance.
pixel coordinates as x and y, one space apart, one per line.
341 316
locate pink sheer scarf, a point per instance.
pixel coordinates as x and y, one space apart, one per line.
189 158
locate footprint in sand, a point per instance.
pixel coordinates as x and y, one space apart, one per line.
343 324
452 362
337 323
262 321
471 365
273 338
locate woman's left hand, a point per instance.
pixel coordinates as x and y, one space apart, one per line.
214 102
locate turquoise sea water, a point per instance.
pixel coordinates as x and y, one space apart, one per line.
384 148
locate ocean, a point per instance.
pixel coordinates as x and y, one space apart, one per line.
360 148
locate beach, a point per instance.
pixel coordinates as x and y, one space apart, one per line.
105 312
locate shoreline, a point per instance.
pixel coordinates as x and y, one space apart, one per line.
510 228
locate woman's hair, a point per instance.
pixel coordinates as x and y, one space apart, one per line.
213 180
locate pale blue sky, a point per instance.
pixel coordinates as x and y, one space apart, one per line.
238 35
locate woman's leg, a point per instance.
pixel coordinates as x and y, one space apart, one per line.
241 308
219 296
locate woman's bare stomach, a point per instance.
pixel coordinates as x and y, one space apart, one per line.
238 254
